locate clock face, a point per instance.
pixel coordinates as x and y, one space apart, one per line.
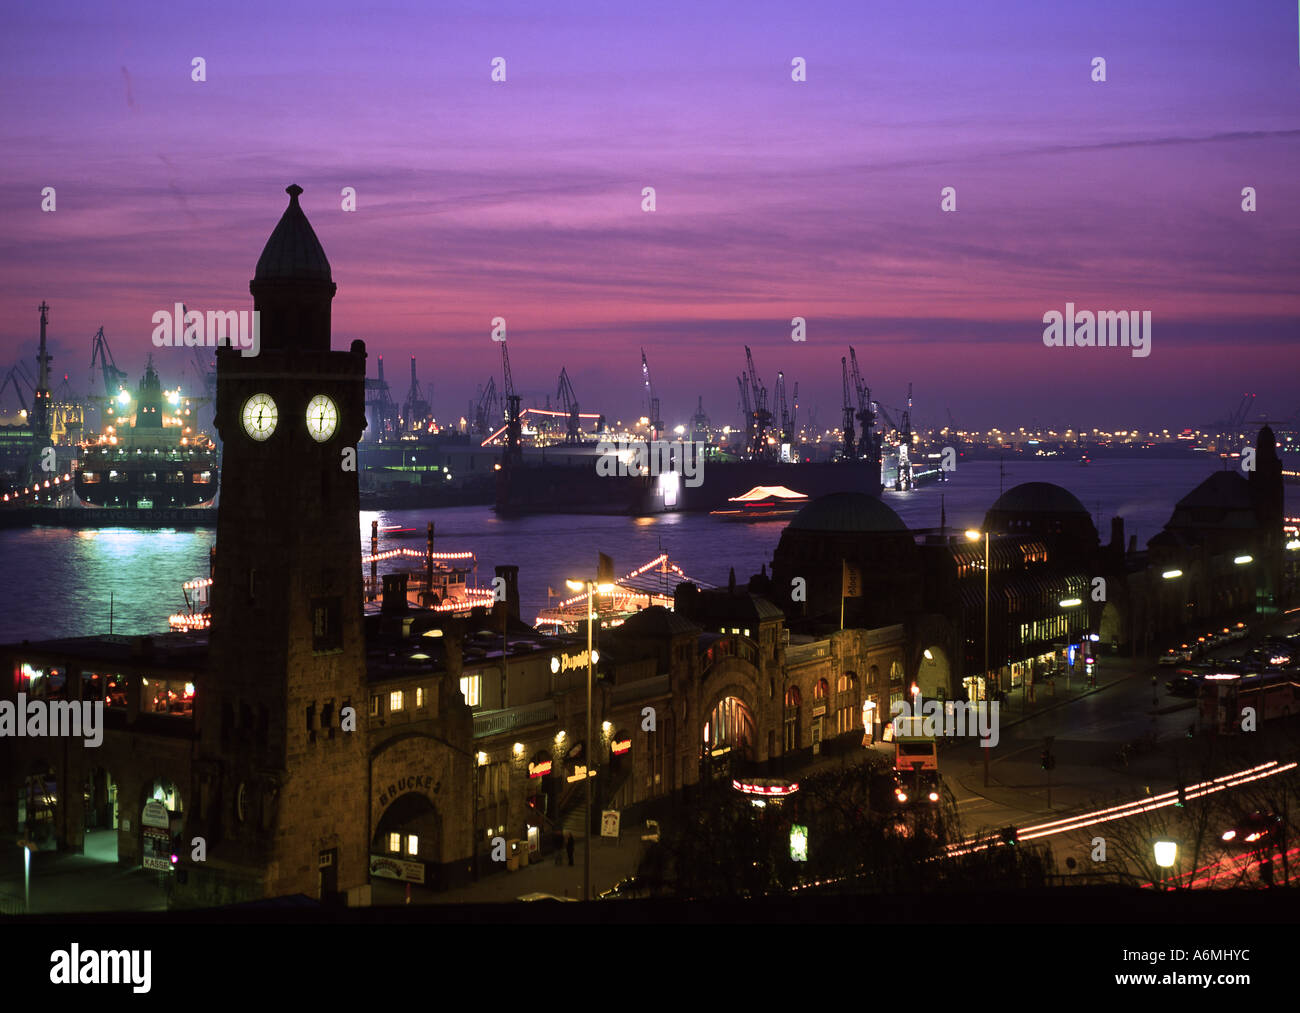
259 416
322 418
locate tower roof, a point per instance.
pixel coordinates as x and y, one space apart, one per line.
293 253
1038 498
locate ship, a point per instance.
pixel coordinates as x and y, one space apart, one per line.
149 457
762 503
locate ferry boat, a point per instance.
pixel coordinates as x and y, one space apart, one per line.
762 503
149 455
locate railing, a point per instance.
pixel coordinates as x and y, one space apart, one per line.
494 722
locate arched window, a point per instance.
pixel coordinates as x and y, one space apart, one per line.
793 734
847 714
820 690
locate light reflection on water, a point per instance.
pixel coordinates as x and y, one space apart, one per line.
58 581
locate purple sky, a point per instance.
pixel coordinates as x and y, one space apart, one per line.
775 199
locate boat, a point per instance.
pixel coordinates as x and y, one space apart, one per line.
149 456
762 503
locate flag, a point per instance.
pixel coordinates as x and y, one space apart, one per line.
852 582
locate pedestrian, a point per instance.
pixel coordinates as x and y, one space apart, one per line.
568 846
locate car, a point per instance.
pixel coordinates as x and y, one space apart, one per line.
1171 657
544 896
1252 831
1186 683
1239 631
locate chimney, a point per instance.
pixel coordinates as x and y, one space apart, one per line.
394 593
510 575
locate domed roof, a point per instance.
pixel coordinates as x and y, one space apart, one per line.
1038 498
293 253
848 512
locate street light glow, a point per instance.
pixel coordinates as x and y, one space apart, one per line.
1171 574
973 535
1067 603
1243 560
1166 854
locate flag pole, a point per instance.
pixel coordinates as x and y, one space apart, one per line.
842 573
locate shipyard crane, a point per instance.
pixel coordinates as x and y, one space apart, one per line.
19 376
652 401
850 451
514 427
762 414
102 355
487 411
866 413
415 409
782 407
794 410
568 400
700 422
380 406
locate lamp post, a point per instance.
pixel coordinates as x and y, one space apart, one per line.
587 752
974 536
1166 855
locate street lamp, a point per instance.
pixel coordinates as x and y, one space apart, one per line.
588 752
974 536
1166 855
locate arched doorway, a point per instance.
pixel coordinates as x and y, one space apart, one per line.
38 806
407 842
99 806
934 673
729 732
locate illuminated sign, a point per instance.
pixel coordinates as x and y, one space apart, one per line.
766 787
539 769
620 746
568 662
799 842
395 868
579 773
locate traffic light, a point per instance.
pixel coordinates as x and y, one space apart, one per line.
1047 760
1010 835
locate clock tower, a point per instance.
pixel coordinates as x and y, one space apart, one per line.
280 777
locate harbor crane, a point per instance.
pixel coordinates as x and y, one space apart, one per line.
762 414
487 412
652 401
568 400
850 451
514 426
782 407
380 406
101 355
19 376
415 409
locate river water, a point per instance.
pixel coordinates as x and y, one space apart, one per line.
60 582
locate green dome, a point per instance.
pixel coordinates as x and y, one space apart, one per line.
1038 498
849 512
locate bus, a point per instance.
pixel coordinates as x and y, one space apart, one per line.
1225 697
